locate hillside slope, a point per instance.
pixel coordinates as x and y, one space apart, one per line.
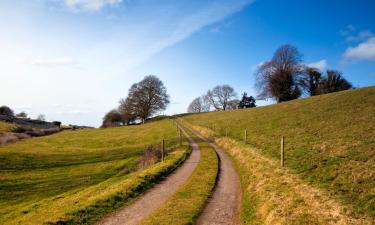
52 178
329 141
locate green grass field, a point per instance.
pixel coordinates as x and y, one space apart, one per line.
329 142
77 176
188 202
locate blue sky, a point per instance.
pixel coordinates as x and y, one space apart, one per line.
72 60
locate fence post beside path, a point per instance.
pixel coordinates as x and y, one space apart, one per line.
245 139
282 152
162 150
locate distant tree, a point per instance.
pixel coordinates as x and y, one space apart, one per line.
246 101
5 110
311 81
41 117
22 115
198 105
334 81
219 96
233 104
280 77
148 97
112 117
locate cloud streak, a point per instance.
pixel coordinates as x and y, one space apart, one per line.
320 65
90 5
363 51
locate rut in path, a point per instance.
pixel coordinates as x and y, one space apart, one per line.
156 196
224 205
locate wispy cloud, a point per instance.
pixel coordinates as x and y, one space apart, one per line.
90 5
320 65
363 51
54 62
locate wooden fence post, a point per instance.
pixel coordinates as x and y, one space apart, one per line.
162 150
180 138
245 139
282 152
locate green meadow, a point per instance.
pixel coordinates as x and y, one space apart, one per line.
75 177
329 142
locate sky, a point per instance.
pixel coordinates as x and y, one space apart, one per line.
73 60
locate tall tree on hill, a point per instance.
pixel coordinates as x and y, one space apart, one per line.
280 77
246 101
198 105
148 97
334 81
219 96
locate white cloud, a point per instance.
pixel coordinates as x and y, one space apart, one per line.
320 65
90 5
54 62
363 51
361 36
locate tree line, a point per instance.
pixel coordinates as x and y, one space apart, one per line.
144 99
220 98
283 78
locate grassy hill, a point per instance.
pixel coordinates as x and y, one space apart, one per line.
329 143
76 176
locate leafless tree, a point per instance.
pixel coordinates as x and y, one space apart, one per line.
198 105
219 96
127 109
334 81
112 118
311 81
280 77
148 97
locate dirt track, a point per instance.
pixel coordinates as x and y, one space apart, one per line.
156 196
223 207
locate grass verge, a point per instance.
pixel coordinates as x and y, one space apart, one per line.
188 202
6 127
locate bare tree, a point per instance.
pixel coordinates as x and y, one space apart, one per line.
219 96
112 118
41 117
148 97
198 105
127 110
22 115
334 81
311 81
280 77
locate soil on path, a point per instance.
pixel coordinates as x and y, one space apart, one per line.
224 205
156 196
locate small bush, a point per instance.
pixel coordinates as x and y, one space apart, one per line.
151 155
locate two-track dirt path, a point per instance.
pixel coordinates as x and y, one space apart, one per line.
221 209
224 205
156 196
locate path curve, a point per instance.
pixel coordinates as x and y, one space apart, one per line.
156 196
224 205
